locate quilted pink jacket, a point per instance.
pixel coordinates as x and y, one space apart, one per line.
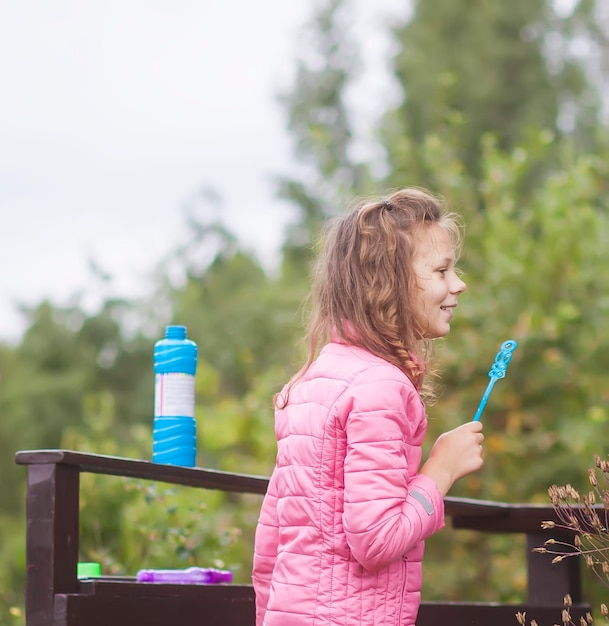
341 532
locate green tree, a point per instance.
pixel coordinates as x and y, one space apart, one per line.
499 68
63 356
321 127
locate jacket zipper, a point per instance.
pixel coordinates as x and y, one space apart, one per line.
404 560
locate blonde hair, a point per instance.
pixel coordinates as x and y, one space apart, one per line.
362 282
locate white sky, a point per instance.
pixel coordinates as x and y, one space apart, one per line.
115 113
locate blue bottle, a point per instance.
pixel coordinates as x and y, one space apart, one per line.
174 436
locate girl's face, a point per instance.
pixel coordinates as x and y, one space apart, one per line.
437 284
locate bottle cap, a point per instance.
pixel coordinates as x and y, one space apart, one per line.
88 570
175 332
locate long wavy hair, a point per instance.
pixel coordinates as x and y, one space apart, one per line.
363 282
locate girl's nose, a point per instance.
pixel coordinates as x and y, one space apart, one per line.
459 286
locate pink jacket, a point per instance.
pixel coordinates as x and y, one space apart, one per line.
341 532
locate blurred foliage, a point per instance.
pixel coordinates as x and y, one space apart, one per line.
503 68
534 195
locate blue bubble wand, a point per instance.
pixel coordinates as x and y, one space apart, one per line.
497 371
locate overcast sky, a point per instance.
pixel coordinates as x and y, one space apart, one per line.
115 113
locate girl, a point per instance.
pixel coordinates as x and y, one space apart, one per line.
342 527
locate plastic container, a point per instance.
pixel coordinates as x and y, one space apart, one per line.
189 576
86 569
174 437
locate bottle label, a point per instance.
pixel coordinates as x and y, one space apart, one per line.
174 395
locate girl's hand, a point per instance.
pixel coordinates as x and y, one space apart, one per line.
455 454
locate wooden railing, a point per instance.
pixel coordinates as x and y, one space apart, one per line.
54 596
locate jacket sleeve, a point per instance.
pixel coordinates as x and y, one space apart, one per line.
388 508
265 550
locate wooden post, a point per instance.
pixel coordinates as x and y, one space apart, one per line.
549 583
51 538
